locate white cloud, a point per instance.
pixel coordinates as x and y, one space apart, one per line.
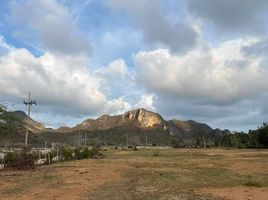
116 68
217 75
222 86
146 101
64 83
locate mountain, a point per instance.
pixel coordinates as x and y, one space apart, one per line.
34 126
12 133
133 127
145 118
187 129
142 119
101 123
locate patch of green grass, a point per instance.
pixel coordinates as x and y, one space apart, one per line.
252 182
49 176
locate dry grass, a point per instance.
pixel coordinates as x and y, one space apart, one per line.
122 175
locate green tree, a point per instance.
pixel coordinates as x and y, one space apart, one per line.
263 135
7 120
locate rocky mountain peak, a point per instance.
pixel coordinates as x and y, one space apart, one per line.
145 118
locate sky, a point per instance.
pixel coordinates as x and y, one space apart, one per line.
185 59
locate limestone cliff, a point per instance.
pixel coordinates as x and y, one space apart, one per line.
139 117
145 118
142 118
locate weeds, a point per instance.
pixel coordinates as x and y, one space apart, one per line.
155 153
252 182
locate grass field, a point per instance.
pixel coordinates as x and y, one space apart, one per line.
147 174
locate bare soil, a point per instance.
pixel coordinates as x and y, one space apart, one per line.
192 174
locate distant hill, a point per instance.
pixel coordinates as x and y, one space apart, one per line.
142 118
187 129
34 126
13 133
137 123
132 127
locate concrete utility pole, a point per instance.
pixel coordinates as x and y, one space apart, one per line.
28 103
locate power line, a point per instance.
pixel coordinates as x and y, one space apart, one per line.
28 103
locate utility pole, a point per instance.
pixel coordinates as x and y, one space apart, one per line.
28 103
204 142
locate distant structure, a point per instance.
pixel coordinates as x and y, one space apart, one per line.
28 103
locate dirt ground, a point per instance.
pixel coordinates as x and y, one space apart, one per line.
69 180
146 174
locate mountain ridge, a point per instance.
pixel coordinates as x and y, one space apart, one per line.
136 125
141 118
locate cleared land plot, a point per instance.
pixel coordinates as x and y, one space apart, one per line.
146 174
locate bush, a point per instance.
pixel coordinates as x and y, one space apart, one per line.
80 153
85 153
77 154
68 153
23 160
94 152
10 158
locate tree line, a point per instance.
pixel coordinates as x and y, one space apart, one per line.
252 139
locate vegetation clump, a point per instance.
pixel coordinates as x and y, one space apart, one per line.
80 153
19 160
251 182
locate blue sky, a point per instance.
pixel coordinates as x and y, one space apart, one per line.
184 59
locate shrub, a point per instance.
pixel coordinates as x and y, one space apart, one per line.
85 153
10 157
94 152
77 154
250 181
22 160
68 153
